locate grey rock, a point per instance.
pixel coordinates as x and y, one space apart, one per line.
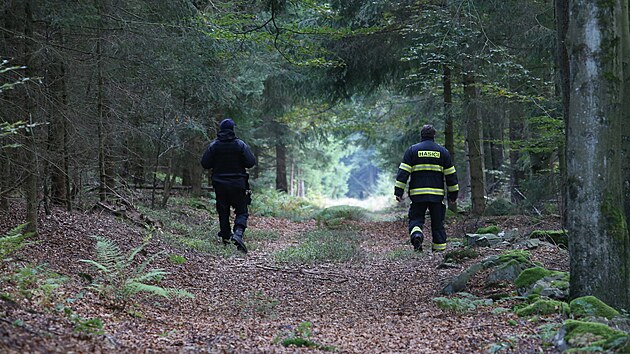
482 240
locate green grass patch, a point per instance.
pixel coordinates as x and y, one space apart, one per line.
300 336
258 303
261 235
401 254
269 202
177 259
322 246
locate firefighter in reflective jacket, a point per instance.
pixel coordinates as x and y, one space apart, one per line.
428 164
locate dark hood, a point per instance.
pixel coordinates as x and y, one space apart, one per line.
226 134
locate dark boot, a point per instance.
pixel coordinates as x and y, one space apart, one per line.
225 237
416 240
237 238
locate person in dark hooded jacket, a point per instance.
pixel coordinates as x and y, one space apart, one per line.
427 166
228 157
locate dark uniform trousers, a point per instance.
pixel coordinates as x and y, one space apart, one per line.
437 211
228 197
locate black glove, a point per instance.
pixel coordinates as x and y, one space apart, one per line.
248 196
452 196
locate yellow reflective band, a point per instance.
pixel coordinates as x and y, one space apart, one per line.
449 171
400 184
416 229
405 167
433 154
454 188
427 167
439 246
434 191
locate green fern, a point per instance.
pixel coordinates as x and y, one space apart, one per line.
13 240
120 280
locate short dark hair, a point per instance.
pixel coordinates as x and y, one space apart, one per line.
427 131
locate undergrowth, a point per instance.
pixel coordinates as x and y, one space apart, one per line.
300 336
322 246
274 203
193 223
121 276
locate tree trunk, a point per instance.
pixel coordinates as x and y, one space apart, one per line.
56 87
100 110
30 159
449 138
599 245
473 142
562 62
493 146
196 169
292 179
517 136
281 167
625 133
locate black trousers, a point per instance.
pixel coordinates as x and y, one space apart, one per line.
437 211
231 197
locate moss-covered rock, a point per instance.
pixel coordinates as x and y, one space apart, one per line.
544 307
500 206
460 255
558 237
591 306
591 336
530 276
492 229
482 240
555 286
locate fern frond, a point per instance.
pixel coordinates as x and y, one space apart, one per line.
152 275
13 240
109 254
179 293
96 264
135 287
140 269
135 252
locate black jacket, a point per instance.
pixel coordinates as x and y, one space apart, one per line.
228 157
428 164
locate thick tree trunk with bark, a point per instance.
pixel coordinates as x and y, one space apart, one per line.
625 133
599 245
473 142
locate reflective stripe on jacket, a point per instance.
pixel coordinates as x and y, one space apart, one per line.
428 164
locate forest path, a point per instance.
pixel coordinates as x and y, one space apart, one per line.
377 304
380 303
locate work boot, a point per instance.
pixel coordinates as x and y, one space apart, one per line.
225 239
416 240
237 238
